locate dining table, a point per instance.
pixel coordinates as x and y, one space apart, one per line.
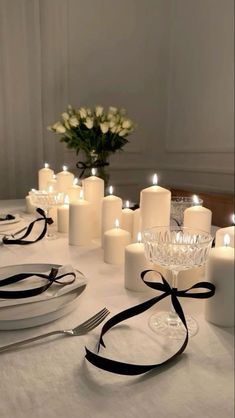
52 378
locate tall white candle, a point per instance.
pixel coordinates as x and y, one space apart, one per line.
127 218
136 225
63 216
44 175
220 271
135 263
79 222
111 210
64 180
52 183
155 205
93 187
115 241
219 236
73 191
198 217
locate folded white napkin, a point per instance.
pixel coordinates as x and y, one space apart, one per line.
54 291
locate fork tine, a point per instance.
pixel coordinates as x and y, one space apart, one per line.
93 323
94 317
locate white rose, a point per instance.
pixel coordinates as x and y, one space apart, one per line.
127 124
112 123
114 129
123 132
113 110
60 129
89 123
99 111
83 112
67 125
104 127
65 116
74 121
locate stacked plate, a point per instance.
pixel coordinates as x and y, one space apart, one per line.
57 301
8 225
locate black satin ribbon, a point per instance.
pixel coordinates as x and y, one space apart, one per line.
21 240
118 367
19 294
81 165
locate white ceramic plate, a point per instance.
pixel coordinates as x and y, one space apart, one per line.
34 313
10 221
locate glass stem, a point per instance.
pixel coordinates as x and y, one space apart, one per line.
173 316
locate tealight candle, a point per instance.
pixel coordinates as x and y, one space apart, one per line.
115 241
136 224
52 183
64 180
94 192
155 205
79 221
220 271
127 218
219 236
135 263
73 191
198 217
111 210
63 216
44 175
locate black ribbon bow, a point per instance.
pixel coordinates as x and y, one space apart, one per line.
26 293
135 369
21 240
81 165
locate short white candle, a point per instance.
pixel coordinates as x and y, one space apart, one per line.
127 218
115 241
111 210
73 191
136 225
230 230
63 216
198 217
135 263
155 205
45 174
52 183
79 222
220 271
93 187
64 180
29 207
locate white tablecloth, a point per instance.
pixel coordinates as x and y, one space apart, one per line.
52 378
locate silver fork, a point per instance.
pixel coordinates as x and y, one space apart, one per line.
81 329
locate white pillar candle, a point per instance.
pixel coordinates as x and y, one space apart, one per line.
198 217
136 225
44 175
155 205
115 241
63 216
73 191
135 263
64 180
220 271
127 218
219 236
52 183
79 222
111 210
93 187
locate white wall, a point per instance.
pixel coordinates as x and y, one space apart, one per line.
169 63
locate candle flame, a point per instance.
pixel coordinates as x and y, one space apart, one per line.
233 219
50 189
195 199
155 179
226 240
93 171
117 223
33 190
46 165
66 200
65 168
139 237
81 195
75 182
127 204
111 190
54 177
